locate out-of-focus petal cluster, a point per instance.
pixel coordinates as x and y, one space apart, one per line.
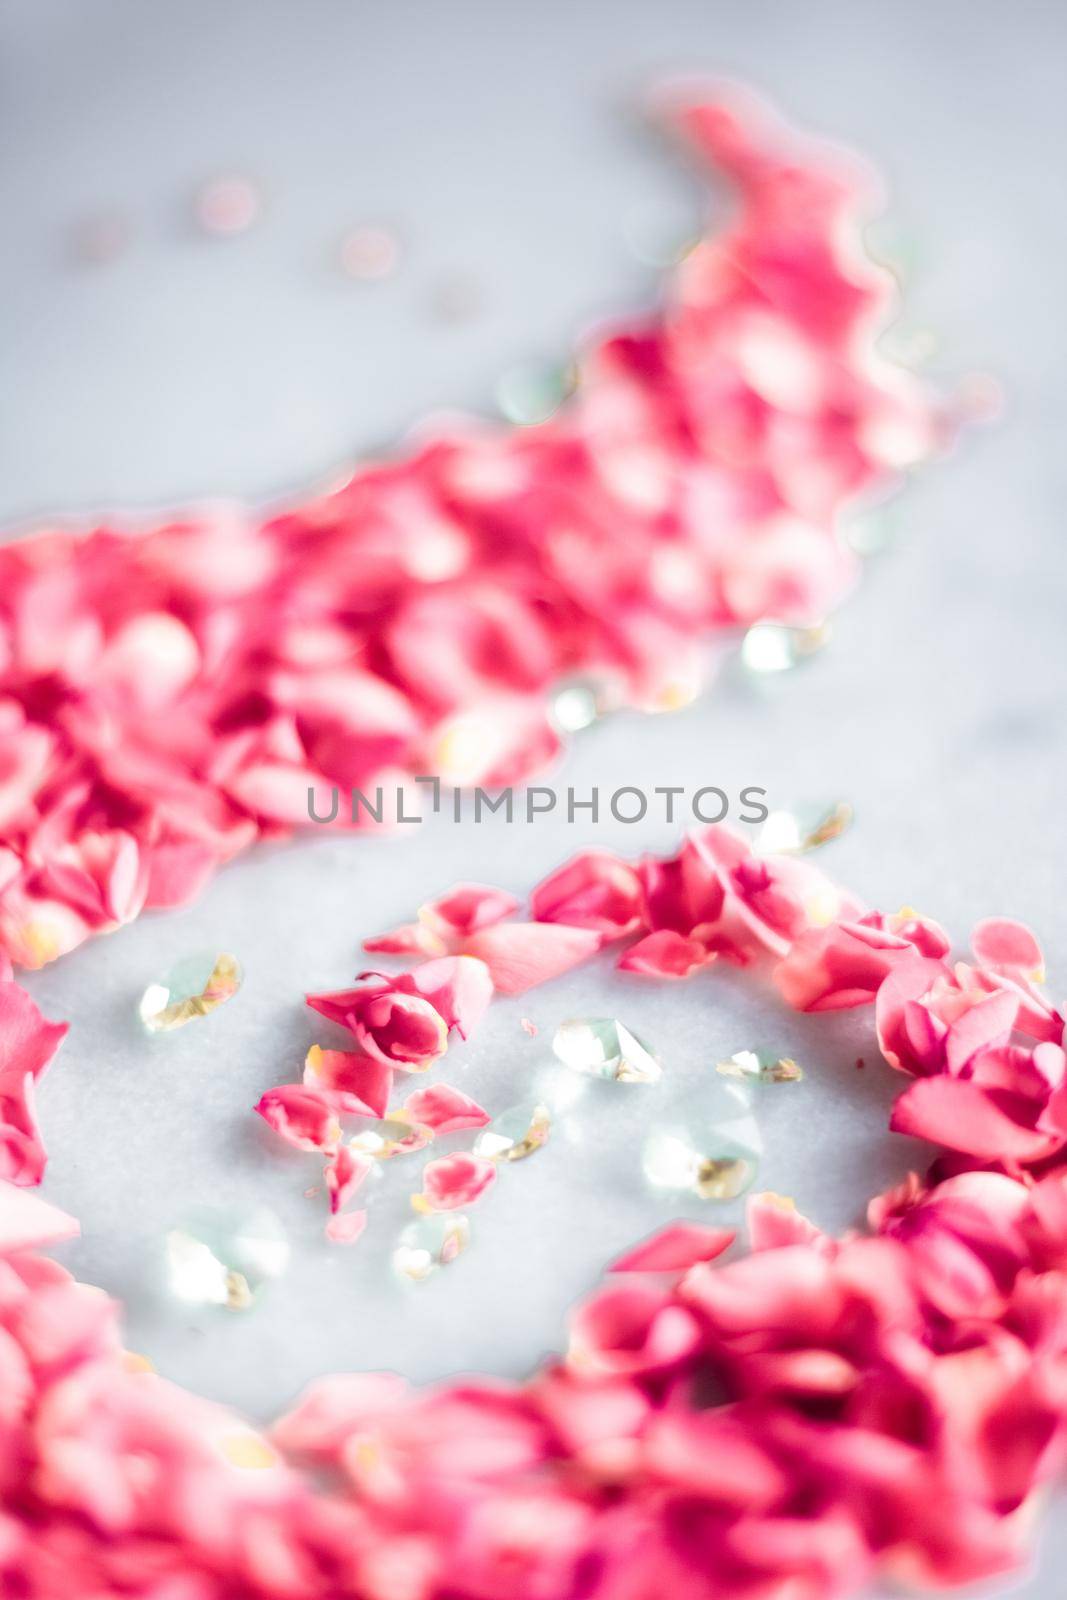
776 1425
169 694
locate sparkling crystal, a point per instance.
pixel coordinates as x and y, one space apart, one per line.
529 395
576 704
795 832
432 1241
718 1161
515 1134
747 1064
215 1259
604 1048
386 1137
193 988
770 647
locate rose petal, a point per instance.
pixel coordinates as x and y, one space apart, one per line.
520 955
364 1078
444 1109
665 954
449 1182
675 1248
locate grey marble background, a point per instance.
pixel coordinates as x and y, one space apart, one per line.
499 140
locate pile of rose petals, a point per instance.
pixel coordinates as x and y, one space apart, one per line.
780 1425
170 693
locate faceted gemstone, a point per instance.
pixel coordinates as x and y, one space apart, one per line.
603 1047
793 832
576 704
385 1137
758 1068
193 988
529 395
433 1241
770 647
515 1134
718 1161
217 1259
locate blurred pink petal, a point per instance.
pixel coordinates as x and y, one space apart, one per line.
27 1045
345 1171
594 890
665 954
675 1248
346 1227
520 955
449 1182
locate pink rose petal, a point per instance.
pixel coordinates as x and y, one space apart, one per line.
444 1109
449 1182
346 1227
520 955
675 1248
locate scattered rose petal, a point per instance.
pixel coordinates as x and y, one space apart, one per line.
675 1249
449 1182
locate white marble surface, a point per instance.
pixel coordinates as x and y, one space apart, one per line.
495 138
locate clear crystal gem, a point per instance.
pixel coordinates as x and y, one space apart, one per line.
603 1047
761 1068
576 704
433 1241
515 1134
770 647
794 832
529 395
718 1161
386 1137
195 987
216 1259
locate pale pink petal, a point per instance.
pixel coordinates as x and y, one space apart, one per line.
466 908
458 987
1007 946
346 1227
29 1223
444 1109
521 955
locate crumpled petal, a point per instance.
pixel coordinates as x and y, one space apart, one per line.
665 954
594 890
304 1116
364 1079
